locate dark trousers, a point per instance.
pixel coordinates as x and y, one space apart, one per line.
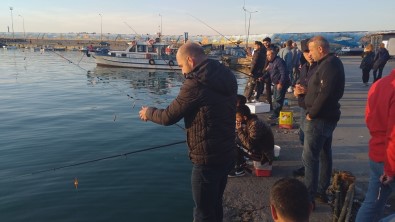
365 75
268 91
208 185
249 89
380 69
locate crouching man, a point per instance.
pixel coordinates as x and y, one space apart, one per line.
254 138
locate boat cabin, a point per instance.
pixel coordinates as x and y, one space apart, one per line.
149 49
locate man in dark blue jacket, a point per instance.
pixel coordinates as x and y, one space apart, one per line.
207 102
280 78
324 90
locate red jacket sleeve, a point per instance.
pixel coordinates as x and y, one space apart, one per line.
389 165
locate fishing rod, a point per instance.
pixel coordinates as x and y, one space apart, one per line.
130 27
97 160
247 74
213 29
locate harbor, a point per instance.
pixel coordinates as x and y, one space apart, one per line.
76 78
75 116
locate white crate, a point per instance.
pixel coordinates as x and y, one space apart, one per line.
259 107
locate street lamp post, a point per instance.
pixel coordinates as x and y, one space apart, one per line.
23 20
160 24
249 22
101 27
245 18
12 23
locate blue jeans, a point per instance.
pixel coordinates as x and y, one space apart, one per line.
208 185
372 209
317 155
278 96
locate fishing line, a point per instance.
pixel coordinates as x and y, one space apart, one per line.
115 87
112 85
83 54
97 160
88 71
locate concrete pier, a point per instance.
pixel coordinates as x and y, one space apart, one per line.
247 198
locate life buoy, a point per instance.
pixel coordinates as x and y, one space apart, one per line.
151 62
171 63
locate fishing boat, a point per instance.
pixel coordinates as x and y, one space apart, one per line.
150 54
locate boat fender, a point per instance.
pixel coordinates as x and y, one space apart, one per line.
151 62
171 63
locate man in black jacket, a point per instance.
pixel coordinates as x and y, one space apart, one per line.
257 65
207 102
325 89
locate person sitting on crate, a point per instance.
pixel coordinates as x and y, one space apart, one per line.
254 139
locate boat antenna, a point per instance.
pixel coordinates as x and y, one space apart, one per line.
213 29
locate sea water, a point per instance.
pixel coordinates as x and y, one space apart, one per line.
57 110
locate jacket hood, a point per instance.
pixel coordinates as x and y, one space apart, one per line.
215 76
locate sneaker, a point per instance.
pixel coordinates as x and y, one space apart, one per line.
299 172
236 173
272 117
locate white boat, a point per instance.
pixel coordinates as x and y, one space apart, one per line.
151 54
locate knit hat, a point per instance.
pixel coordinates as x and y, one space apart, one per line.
267 39
303 45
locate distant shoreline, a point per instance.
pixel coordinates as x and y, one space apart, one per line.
67 44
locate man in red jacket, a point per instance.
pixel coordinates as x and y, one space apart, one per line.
380 120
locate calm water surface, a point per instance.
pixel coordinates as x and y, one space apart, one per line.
54 113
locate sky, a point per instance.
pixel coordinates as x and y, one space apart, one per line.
198 17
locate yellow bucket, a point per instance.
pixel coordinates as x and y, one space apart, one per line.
285 119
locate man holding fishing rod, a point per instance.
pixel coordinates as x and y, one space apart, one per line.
257 65
207 102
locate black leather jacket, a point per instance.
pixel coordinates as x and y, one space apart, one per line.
325 89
